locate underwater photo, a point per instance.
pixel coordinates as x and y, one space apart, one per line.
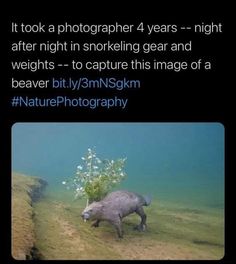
118 191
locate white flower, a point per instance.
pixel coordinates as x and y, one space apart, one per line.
98 160
122 174
113 181
95 167
90 156
89 150
79 167
83 158
64 182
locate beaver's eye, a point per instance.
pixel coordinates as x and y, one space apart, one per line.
90 210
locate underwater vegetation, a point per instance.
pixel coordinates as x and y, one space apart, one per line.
96 177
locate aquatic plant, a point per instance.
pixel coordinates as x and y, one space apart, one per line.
96 177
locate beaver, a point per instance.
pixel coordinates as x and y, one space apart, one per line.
114 207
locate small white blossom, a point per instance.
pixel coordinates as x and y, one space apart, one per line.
98 160
78 189
93 171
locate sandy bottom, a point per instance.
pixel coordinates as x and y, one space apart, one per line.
173 233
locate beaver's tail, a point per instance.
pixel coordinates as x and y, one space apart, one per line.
147 199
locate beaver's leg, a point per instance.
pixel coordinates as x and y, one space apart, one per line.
96 223
142 225
118 226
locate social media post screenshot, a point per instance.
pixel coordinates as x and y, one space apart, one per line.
115 138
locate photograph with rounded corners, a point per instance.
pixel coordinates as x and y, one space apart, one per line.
117 191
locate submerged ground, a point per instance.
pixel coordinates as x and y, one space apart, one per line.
174 232
25 190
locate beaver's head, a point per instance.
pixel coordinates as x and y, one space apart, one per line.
93 211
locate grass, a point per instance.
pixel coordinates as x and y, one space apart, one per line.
173 233
54 227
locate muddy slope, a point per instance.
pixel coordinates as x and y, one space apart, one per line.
25 190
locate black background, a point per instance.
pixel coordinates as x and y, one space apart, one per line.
164 96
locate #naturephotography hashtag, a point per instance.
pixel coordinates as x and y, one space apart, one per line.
15 101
